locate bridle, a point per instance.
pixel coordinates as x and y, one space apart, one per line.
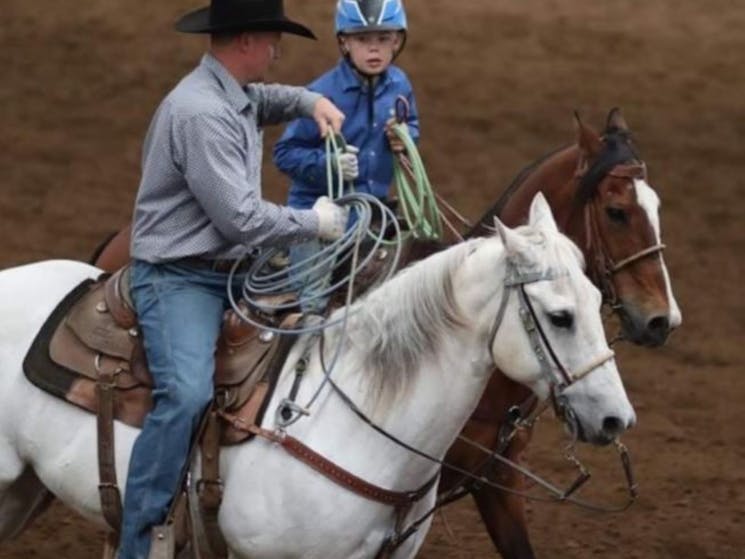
603 268
558 377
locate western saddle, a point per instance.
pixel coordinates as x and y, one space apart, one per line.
90 354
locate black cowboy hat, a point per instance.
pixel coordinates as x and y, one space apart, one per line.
241 15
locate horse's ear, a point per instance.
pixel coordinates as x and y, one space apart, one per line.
587 139
541 215
514 243
616 122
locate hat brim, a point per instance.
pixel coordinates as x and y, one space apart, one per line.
198 21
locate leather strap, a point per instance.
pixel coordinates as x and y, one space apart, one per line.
209 488
337 474
111 500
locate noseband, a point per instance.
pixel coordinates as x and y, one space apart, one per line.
556 374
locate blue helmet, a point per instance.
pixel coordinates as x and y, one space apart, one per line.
358 16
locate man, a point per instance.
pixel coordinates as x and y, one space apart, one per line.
199 206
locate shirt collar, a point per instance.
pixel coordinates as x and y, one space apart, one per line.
237 95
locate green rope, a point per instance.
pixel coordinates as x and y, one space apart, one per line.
335 146
417 202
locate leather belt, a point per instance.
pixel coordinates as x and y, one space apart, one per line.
220 265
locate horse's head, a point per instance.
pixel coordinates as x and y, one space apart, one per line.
548 334
623 247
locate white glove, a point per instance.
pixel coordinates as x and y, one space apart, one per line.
332 219
348 163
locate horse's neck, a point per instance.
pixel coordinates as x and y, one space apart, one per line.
555 177
438 397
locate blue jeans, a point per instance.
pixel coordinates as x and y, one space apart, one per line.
180 312
312 279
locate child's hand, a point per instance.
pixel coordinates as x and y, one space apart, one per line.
397 145
348 163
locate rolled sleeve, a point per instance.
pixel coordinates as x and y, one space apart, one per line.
282 103
215 171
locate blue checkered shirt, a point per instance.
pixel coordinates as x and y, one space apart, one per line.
200 193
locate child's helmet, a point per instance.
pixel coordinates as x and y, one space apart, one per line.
358 16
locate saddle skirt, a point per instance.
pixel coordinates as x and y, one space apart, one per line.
93 333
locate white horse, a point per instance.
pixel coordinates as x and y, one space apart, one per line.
415 357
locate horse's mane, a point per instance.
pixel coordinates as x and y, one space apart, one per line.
393 326
513 187
618 148
407 318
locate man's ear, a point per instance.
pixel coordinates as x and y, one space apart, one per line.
245 41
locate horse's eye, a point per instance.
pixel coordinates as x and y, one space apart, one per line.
616 214
562 319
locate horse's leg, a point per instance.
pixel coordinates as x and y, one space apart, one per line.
23 500
22 495
504 513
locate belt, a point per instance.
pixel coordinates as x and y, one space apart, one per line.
220 265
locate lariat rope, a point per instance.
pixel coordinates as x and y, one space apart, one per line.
416 197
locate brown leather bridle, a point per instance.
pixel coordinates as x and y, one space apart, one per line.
602 267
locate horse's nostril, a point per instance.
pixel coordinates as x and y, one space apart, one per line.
659 325
613 426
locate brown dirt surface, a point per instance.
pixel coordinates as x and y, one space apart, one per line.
496 82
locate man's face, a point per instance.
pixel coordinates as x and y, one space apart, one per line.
263 49
372 52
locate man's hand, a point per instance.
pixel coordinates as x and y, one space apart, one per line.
348 163
327 116
397 145
332 219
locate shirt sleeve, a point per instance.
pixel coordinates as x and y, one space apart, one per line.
301 154
214 166
282 103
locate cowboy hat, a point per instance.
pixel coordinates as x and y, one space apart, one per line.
241 15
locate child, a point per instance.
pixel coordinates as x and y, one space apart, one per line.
365 86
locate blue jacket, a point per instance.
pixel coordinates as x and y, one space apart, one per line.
301 154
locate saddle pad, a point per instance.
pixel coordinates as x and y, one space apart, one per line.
62 363
38 365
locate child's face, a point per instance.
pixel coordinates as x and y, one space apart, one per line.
372 52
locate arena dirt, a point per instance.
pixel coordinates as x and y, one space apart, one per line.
497 82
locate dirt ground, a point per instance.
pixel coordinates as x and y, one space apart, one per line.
497 82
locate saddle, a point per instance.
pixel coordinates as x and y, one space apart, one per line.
90 353
92 339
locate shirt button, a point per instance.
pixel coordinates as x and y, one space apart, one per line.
372 154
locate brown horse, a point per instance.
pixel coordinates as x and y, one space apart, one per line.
600 197
599 194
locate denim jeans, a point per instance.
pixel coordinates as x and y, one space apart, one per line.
180 312
312 279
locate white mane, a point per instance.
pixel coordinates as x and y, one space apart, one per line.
394 326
